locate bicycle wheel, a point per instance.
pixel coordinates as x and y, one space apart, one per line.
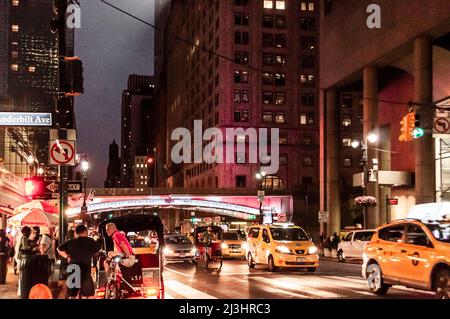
112 291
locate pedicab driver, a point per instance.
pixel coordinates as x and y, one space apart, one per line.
121 245
209 236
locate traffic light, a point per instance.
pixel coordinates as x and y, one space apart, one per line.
74 76
407 127
150 160
418 132
35 187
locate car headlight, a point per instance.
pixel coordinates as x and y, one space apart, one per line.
244 246
282 250
312 250
193 250
224 246
167 251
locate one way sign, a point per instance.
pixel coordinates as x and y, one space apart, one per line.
72 187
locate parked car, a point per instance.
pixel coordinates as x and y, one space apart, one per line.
233 246
281 246
352 245
411 253
178 248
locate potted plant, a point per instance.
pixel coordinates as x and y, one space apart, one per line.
366 201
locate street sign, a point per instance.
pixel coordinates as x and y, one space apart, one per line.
282 218
62 152
442 126
261 195
392 201
25 119
72 187
323 217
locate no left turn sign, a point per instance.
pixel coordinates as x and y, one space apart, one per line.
62 153
442 125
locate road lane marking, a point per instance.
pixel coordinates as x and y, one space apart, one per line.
298 286
284 292
177 272
186 291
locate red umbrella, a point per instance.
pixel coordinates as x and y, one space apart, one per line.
37 204
34 217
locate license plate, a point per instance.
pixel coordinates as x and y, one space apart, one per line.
301 260
182 255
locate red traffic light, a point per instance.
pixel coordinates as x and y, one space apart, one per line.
150 160
35 187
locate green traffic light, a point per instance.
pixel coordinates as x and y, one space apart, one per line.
418 132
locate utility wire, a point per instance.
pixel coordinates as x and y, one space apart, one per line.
444 107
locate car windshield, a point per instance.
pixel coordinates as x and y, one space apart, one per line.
177 240
288 234
142 239
440 231
231 236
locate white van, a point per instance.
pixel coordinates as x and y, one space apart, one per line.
431 211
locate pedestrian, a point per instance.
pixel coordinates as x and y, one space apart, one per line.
47 247
24 251
80 251
35 239
5 249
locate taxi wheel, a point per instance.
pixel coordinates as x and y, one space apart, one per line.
271 264
312 269
251 263
442 284
375 280
341 256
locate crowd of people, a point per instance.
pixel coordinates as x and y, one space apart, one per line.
81 249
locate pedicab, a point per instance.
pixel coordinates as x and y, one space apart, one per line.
208 251
145 278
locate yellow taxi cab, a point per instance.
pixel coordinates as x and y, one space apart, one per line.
410 253
281 246
233 246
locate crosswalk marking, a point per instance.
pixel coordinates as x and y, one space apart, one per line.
297 286
186 291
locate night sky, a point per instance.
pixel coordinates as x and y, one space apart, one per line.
112 46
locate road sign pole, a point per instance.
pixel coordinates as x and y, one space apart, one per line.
62 200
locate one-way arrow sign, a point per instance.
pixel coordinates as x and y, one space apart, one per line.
52 186
72 187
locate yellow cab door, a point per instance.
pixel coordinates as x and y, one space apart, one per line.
387 250
253 241
264 246
415 256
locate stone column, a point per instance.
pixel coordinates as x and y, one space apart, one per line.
425 187
333 194
370 79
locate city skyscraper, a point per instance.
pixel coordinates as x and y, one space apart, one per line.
249 64
28 77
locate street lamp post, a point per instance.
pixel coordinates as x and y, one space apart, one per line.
84 169
260 176
371 138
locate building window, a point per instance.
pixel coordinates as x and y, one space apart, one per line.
14 28
283 160
267 117
280 40
280 98
307 6
241 37
241 18
307 119
307 99
347 142
267 97
267 40
14 67
307 24
308 43
273 182
241 2
347 121
268 78
307 161
280 79
15 2
347 101
241 57
241 115
268 4
31 69
307 80
241 181
244 96
280 22
279 60
307 140
308 62
267 21
283 139
280 117
241 76
347 162
280 5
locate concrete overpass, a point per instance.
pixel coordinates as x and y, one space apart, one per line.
236 203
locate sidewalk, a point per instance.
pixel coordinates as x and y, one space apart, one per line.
9 291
